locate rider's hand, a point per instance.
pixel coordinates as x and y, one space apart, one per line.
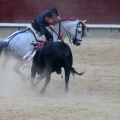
43 38
59 18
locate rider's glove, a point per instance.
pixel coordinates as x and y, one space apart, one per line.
52 27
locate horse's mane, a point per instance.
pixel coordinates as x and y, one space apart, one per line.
63 19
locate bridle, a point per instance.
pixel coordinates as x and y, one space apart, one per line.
71 40
82 34
59 34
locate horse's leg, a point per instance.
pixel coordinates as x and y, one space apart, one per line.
46 83
42 76
67 75
5 61
16 68
6 57
33 74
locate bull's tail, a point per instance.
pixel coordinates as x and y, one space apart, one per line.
75 72
3 44
67 54
71 68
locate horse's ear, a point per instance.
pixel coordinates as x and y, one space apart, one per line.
83 24
84 20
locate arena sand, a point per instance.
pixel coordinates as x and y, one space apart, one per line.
93 96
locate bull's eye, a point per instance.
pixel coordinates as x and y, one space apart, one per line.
79 31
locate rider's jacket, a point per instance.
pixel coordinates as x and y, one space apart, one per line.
39 23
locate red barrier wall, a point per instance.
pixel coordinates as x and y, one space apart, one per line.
95 11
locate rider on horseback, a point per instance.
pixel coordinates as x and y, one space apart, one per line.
42 21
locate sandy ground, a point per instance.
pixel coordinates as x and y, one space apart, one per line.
93 96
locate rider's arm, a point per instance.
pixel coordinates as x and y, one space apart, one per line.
42 32
42 29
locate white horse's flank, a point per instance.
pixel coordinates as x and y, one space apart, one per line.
20 45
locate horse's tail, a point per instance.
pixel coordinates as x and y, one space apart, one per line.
3 45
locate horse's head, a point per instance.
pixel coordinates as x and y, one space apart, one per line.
69 26
78 32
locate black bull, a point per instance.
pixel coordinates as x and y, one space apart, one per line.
51 58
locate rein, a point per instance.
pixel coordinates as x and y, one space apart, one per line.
59 35
59 30
70 38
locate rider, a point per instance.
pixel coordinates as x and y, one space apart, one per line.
42 21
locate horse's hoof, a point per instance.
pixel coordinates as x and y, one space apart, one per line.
32 85
35 85
24 80
28 78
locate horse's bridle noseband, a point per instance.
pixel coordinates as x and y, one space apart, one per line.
78 26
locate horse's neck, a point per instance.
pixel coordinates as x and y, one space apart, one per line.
65 28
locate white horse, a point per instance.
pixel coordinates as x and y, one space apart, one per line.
18 44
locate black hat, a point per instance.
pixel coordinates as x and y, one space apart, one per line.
48 14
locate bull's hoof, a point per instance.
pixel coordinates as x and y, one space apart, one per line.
42 92
66 90
35 85
32 85
23 78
